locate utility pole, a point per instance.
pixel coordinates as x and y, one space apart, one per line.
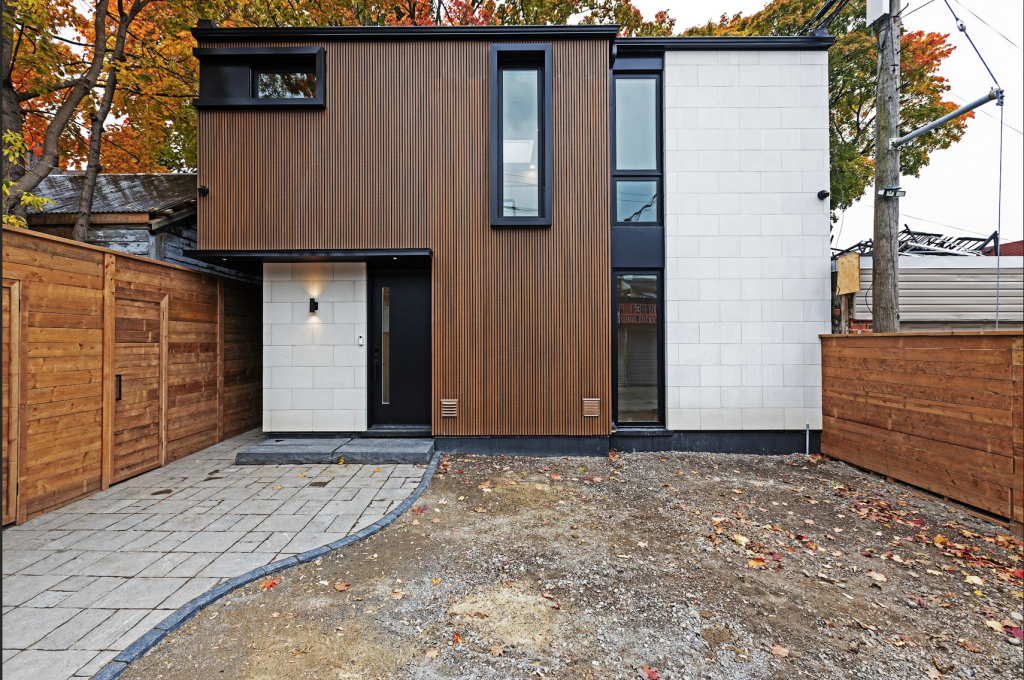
885 309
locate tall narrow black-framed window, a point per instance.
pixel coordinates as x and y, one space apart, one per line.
521 148
637 184
639 396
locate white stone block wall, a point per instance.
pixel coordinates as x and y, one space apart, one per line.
314 369
747 239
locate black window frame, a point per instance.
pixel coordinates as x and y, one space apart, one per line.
532 55
227 76
662 377
655 174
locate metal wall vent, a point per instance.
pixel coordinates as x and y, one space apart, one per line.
591 408
449 408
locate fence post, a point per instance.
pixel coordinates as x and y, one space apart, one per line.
107 445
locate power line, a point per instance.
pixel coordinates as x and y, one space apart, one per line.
962 27
987 24
940 224
916 8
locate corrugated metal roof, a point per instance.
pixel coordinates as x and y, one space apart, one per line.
119 193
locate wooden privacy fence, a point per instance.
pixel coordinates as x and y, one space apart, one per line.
942 411
114 365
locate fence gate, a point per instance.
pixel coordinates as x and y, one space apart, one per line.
11 395
140 380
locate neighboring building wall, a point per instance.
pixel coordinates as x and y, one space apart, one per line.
166 244
747 259
945 293
314 377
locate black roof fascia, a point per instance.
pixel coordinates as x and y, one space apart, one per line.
626 46
406 33
248 260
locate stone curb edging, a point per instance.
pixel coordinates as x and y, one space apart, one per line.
149 640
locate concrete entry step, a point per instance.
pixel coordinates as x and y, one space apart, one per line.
387 451
295 451
289 451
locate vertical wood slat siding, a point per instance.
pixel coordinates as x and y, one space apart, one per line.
942 411
399 159
62 297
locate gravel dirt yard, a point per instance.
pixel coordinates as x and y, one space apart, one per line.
645 565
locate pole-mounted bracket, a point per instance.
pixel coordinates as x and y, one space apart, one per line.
994 94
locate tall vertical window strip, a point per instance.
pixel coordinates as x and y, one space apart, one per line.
520 142
638 366
636 124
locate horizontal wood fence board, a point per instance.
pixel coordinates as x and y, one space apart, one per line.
942 411
981 436
164 320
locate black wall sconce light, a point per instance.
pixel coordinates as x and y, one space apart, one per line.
313 305
203 190
823 194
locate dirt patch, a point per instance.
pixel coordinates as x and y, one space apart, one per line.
688 565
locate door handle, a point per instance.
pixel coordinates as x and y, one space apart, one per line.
117 387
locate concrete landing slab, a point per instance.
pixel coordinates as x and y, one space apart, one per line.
291 452
365 451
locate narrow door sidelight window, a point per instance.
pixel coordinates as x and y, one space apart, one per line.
521 135
385 345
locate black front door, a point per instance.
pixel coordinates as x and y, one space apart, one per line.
400 349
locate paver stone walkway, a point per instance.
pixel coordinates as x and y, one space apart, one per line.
82 583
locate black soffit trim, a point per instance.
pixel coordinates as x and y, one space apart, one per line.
771 42
403 33
576 32
219 256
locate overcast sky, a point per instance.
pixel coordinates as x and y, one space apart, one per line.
957 193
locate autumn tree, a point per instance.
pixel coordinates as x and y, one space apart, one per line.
852 63
111 90
47 73
156 129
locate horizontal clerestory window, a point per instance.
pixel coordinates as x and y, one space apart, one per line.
261 77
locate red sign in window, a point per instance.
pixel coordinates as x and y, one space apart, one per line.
638 312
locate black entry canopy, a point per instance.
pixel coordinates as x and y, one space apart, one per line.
251 261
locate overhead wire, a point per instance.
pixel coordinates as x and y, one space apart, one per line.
962 27
904 16
995 30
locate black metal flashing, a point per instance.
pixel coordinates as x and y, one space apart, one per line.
626 46
252 260
524 445
406 33
749 442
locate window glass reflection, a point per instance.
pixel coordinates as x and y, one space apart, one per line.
520 141
286 85
637 333
636 124
636 201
